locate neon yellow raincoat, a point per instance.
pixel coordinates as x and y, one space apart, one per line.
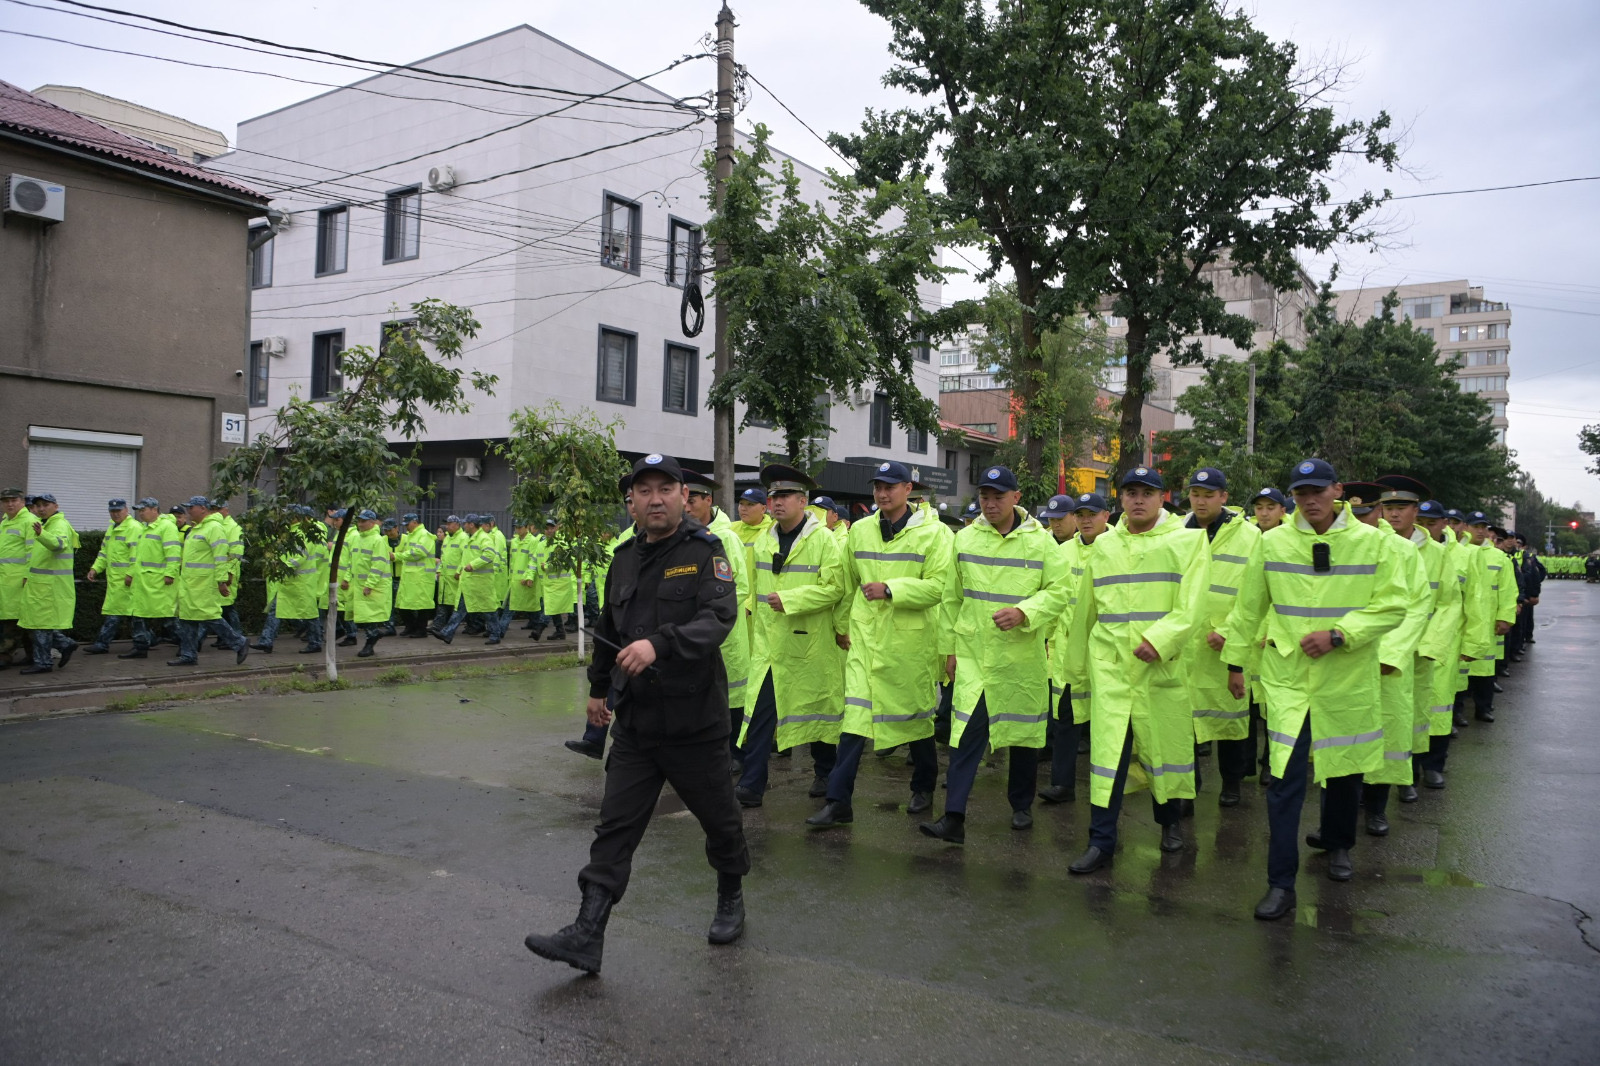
479 583
1450 621
16 545
205 565
736 645
1397 652
1217 715
414 558
50 598
158 555
115 564
451 548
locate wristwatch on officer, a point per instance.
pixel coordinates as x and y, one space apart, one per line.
1336 638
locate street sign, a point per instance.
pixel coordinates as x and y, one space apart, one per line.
937 478
233 429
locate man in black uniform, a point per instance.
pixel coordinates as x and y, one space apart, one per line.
669 602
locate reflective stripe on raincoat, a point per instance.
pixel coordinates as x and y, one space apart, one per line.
16 545
372 583
1217 715
205 564
115 564
50 598
452 546
157 555
736 645
413 557
1398 649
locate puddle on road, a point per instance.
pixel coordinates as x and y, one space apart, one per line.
1432 878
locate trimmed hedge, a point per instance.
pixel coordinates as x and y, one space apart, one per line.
91 596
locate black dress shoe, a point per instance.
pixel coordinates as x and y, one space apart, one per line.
950 829
1229 796
440 636
348 642
1460 719
1091 860
746 797
241 653
1377 825
920 801
1408 793
183 662
557 635
835 812
96 649
819 787
306 649
1484 716
727 925
492 640
1496 685
65 655
35 669
1022 819
1275 904
1432 779
1339 867
134 654
267 648
1059 794
585 747
1172 838
1314 840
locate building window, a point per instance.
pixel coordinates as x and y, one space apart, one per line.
1500 435
260 260
1499 331
683 251
326 363
618 366
921 349
402 327
680 379
1482 384
619 234
333 239
882 424
1495 331
402 225
1497 408
917 441
1419 307
760 423
951 459
1485 357
258 375
1426 331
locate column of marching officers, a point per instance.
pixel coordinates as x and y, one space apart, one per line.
1334 633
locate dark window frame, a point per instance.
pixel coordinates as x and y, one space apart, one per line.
880 426
322 257
261 253
692 389
636 220
922 348
390 215
696 249
631 372
258 371
383 330
913 438
322 377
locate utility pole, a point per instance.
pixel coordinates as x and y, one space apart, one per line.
722 417
1250 417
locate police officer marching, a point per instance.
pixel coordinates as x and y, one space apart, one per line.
48 596
659 680
114 564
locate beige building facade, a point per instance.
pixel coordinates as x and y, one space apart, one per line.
166 133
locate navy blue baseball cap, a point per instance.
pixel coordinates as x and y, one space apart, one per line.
218 502
824 502
972 510
117 504
892 473
411 516
1142 475
996 477
842 510
660 464
454 518
1208 477
753 496
1476 518
197 501
1430 509
368 515
1451 512
1313 472
389 523
41 497
148 501
343 512
1090 501
1057 507
1272 494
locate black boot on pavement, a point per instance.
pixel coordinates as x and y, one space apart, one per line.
920 801
1432 779
1059 794
1091 860
1408 793
727 925
366 651
1339 865
136 653
1172 837
66 654
96 649
951 828
835 812
580 944
1377 825
584 747
1275 904
1229 796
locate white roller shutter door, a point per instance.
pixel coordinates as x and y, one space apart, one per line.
82 478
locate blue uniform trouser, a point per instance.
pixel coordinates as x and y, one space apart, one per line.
108 630
1064 743
230 618
461 615
1286 796
191 633
1434 758
758 743
269 628
143 635
498 622
1103 820
842 781
1022 774
46 639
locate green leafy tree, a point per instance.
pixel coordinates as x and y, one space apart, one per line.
823 297
1114 150
340 452
1371 399
1589 444
1063 373
567 466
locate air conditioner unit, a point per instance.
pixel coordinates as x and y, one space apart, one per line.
441 178
861 397
275 345
36 198
469 468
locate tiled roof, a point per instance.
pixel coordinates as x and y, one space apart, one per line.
21 110
971 434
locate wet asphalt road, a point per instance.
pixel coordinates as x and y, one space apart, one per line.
348 877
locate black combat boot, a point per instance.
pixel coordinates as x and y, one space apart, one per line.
580 944
728 924
366 651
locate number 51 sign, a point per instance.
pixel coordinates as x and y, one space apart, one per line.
233 427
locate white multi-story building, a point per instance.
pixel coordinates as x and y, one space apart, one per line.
1461 322
565 217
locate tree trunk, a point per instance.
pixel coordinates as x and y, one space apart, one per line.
330 629
1029 366
1130 429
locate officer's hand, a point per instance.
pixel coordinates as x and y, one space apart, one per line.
636 656
1235 685
1009 617
597 711
1146 652
843 640
1502 628
1317 644
222 587
775 602
1466 658
344 586
1533 602
166 581
37 526
1215 640
875 590
1385 668
127 582
89 577
468 569
366 592
949 668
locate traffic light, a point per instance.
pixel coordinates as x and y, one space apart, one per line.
1572 524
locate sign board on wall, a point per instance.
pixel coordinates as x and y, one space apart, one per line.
233 427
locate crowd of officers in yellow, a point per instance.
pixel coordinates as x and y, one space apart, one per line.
173 576
1341 628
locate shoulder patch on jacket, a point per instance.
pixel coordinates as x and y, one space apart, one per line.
720 567
679 571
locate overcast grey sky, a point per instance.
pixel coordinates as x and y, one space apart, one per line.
1493 94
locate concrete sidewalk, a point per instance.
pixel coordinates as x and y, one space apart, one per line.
90 682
